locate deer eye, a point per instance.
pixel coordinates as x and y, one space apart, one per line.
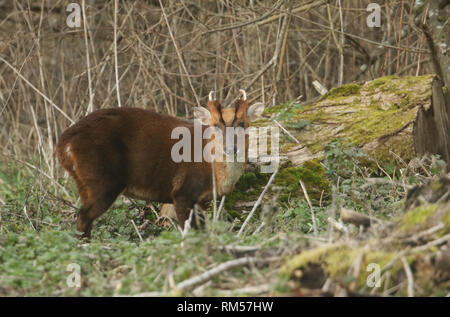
241 125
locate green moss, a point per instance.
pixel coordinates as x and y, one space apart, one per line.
418 216
311 173
373 124
286 147
337 262
260 123
397 84
346 90
275 109
446 221
436 185
251 184
382 83
303 259
312 116
247 188
401 145
424 217
252 181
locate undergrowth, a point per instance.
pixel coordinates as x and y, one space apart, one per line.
38 237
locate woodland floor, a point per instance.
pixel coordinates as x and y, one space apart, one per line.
38 239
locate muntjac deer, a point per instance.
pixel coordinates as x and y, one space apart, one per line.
128 151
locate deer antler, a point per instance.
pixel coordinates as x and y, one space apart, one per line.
244 94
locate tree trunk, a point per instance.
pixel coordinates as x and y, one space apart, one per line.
437 34
432 128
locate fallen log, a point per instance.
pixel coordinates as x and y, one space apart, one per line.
390 117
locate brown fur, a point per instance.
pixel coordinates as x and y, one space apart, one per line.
128 150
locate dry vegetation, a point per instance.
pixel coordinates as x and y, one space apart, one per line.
170 58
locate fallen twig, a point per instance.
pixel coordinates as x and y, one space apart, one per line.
431 244
249 290
373 181
187 225
222 202
26 215
208 275
409 277
339 226
313 216
350 216
135 228
286 131
146 294
425 233
259 228
239 249
257 203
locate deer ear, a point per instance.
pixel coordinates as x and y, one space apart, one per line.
255 111
202 114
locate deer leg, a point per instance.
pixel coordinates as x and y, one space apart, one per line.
182 208
89 212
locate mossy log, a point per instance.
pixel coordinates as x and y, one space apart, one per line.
388 117
420 235
427 206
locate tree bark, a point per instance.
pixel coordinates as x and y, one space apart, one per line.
388 118
437 34
432 128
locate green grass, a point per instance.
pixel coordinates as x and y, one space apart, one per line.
36 263
36 248
38 236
